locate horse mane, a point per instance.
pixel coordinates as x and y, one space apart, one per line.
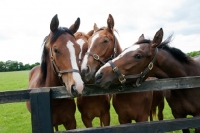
175 52
79 34
51 38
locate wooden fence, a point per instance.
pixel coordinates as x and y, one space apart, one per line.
41 106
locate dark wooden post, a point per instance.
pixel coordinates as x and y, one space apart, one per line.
41 115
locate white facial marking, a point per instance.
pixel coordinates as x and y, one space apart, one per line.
106 65
80 42
132 48
85 59
76 76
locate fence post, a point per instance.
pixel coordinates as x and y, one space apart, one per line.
41 115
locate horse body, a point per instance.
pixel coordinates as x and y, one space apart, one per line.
185 102
167 62
58 67
91 106
157 102
133 106
104 46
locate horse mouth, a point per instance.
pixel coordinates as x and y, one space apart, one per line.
105 85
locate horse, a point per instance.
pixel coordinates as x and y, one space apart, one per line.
82 40
158 101
59 67
104 46
154 58
91 106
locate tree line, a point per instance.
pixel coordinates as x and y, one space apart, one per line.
194 53
15 66
18 66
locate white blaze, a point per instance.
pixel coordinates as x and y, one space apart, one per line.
85 59
132 48
76 76
80 42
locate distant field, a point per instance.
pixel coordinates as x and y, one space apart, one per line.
14 117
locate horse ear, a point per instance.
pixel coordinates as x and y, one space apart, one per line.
54 23
141 37
157 38
95 27
90 33
74 27
110 22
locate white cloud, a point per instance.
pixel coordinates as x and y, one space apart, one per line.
24 26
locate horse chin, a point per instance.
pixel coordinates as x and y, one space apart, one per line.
105 85
87 78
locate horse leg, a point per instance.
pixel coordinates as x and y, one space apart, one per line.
160 110
176 116
152 113
86 121
197 130
105 119
151 116
56 128
71 124
124 120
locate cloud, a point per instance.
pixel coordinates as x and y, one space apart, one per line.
24 26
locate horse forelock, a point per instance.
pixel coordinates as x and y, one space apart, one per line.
105 28
143 41
58 32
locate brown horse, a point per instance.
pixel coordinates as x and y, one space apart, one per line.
91 106
59 67
82 40
156 59
157 102
104 46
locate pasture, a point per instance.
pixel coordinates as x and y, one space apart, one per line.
14 117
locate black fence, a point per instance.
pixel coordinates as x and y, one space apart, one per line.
41 106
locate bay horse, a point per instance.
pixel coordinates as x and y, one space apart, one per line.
154 58
104 46
91 106
59 67
157 102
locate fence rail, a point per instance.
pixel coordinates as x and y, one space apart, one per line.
92 90
41 106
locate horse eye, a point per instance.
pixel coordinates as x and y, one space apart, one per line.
138 56
106 41
56 51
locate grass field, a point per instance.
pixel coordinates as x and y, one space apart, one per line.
15 118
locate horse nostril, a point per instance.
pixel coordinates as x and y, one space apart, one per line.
85 71
74 91
99 77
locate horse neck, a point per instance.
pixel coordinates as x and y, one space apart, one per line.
166 66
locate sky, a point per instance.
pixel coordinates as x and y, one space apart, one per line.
25 23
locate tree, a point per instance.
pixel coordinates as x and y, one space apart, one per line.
10 65
2 66
194 53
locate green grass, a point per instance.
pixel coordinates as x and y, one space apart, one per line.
15 118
